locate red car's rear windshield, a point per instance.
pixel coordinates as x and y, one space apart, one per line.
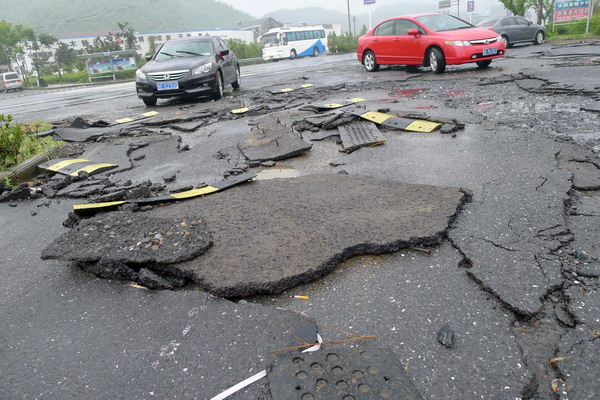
443 22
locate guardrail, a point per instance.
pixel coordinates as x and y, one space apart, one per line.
250 61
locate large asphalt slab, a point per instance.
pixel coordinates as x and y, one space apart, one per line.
517 279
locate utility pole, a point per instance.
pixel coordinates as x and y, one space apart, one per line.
349 22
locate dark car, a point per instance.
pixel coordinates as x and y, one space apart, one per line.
515 30
191 67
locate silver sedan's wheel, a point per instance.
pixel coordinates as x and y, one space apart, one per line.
539 38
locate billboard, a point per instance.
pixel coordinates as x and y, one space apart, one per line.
104 66
571 10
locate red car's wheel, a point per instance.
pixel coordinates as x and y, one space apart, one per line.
437 61
370 62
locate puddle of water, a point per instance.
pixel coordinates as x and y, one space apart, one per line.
281 172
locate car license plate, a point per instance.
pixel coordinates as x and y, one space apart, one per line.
490 52
167 86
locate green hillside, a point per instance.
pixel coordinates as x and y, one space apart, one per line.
59 16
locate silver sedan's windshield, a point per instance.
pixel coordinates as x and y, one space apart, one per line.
443 22
185 49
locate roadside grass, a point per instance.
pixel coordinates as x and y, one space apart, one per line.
79 77
19 143
576 30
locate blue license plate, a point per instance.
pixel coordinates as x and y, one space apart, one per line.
490 52
167 86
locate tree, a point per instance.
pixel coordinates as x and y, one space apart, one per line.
126 35
152 44
544 9
65 57
12 43
517 7
39 53
100 45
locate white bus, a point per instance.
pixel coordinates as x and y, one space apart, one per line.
290 43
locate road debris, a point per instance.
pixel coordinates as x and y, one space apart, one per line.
361 134
446 336
75 166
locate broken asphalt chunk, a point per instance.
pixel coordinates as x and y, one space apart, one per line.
363 215
180 195
131 238
273 142
82 135
153 280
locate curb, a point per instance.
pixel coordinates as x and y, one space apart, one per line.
27 169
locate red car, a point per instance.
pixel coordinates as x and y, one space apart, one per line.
433 40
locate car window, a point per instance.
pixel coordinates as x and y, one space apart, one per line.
11 76
385 29
185 49
222 45
443 22
403 25
488 22
522 21
509 21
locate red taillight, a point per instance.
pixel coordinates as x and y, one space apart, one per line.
491 29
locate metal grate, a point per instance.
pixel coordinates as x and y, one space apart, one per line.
167 76
339 375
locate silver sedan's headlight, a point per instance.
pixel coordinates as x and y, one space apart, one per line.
140 75
203 69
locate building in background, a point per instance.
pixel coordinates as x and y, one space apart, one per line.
258 27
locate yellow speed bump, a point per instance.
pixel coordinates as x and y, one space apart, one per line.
188 194
124 120
423 126
137 117
94 168
376 117
240 110
63 163
96 206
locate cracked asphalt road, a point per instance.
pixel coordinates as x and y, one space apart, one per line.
516 278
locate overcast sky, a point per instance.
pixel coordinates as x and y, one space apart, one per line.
258 8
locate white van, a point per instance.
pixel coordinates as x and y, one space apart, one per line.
10 81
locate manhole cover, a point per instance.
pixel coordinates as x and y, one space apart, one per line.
345 374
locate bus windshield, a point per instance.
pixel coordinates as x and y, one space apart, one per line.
270 40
